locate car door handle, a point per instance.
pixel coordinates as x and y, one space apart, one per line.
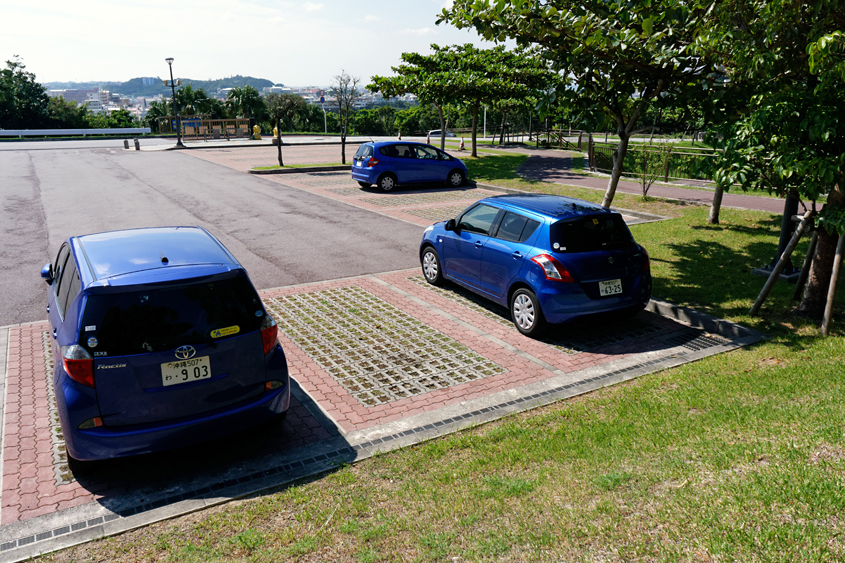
48 308
54 333
478 244
517 254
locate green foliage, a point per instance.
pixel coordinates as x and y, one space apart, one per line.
116 118
24 103
284 108
66 115
192 102
136 86
246 102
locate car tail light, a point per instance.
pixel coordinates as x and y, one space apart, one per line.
647 264
79 364
269 333
553 269
372 162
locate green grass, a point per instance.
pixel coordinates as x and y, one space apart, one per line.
736 457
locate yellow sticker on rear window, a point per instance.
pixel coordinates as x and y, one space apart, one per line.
221 332
595 221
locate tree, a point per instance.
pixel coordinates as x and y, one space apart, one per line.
784 60
24 103
246 102
283 108
465 74
157 109
344 91
64 114
192 102
621 55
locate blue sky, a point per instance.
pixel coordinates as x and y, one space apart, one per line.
295 43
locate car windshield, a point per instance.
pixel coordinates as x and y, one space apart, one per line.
154 320
604 232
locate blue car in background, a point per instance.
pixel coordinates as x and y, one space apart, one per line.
390 163
160 341
549 259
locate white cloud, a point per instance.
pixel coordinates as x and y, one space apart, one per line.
422 32
311 7
373 19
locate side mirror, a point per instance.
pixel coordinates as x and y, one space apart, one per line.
450 225
47 273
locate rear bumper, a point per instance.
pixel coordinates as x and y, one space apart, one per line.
369 175
561 307
122 441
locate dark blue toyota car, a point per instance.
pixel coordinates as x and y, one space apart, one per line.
549 259
388 164
160 341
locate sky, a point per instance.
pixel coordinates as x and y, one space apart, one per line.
296 43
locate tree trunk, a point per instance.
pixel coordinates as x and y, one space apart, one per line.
474 128
442 127
716 206
618 159
342 141
815 294
279 129
502 132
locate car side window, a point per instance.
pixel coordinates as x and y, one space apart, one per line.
511 227
427 153
397 151
478 219
444 156
530 227
58 268
70 287
65 286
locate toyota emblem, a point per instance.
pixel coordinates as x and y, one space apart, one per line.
185 352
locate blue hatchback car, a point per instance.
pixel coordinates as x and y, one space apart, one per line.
160 340
549 259
390 163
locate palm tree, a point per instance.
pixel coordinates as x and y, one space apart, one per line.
246 102
192 101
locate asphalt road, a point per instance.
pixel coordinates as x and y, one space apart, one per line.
283 236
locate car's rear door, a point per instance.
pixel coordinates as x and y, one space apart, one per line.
168 353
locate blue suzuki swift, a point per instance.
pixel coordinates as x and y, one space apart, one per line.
388 164
160 341
549 259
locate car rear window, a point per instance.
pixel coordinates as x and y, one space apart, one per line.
397 151
161 319
364 151
589 234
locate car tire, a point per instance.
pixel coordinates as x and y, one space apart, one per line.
364 184
387 182
456 178
432 271
526 313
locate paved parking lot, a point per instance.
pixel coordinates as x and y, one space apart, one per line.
379 361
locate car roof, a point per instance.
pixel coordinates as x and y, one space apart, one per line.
118 253
552 206
387 143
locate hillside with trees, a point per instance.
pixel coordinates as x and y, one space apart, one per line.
154 86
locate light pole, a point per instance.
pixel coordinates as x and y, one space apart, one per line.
175 107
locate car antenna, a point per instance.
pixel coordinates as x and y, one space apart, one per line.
164 259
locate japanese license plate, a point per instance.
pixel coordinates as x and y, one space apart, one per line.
610 287
185 371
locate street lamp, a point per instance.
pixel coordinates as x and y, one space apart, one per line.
175 108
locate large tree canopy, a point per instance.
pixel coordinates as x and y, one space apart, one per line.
24 103
621 54
784 62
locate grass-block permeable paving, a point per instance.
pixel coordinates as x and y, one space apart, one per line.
437 213
589 336
315 179
375 351
347 192
431 197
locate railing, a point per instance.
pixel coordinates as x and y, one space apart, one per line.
682 163
198 127
21 133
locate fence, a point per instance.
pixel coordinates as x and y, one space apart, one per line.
682 163
200 127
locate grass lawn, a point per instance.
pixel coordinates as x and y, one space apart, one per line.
737 457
